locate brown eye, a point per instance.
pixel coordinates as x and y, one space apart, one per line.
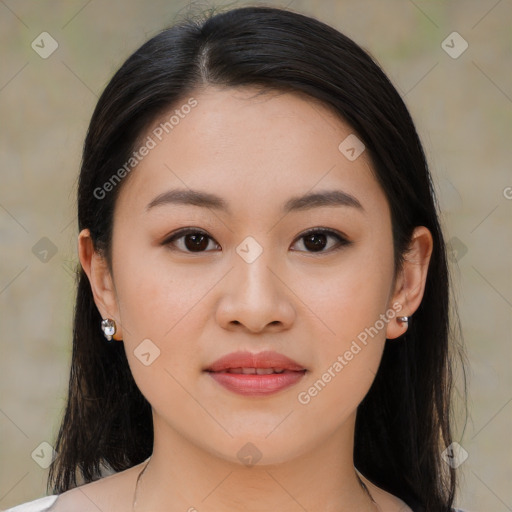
318 239
196 242
190 240
315 242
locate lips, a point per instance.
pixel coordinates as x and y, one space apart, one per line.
258 374
246 362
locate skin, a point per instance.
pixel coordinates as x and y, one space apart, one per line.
256 152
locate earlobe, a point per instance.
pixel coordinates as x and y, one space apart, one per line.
410 283
100 279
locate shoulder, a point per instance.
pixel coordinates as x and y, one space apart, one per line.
113 492
39 505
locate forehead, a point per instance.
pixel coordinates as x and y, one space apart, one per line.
260 147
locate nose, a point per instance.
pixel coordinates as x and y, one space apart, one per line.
255 298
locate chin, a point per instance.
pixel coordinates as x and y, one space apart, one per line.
260 450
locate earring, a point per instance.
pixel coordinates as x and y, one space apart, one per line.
108 326
403 320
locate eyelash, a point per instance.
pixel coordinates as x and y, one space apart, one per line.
341 239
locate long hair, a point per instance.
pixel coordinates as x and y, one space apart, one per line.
404 422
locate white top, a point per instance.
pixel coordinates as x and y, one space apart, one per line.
40 505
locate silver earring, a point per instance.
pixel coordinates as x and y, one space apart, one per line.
404 320
108 326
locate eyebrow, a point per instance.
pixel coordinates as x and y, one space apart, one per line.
299 203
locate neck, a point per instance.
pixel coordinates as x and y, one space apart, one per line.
181 476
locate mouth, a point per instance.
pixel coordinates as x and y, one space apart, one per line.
256 371
259 374
255 363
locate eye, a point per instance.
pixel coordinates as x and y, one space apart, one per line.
190 240
317 239
197 240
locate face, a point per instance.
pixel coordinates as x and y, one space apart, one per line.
289 251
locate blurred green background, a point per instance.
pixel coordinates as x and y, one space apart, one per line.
462 106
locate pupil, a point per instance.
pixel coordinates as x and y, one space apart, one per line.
315 242
199 242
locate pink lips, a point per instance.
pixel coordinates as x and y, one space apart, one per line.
258 374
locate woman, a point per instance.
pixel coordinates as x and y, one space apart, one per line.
262 311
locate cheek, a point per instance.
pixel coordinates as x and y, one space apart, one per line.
159 305
346 367
154 296
353 305
352 297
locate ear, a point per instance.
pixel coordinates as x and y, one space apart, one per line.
410 281
100 279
